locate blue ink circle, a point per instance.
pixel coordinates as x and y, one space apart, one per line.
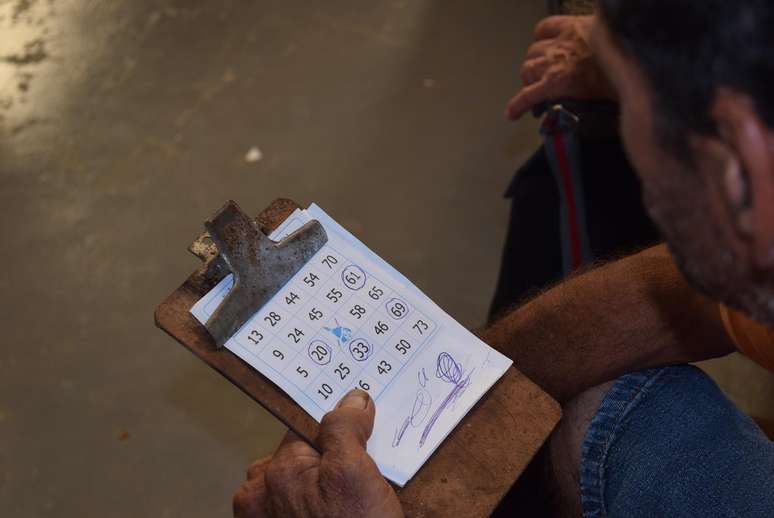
354 277
356 349
387 306
317 347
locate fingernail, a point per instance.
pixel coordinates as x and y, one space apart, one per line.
354 399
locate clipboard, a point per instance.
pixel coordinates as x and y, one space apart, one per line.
470 472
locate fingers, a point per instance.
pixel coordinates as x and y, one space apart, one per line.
346 468
258 468
533 70
554 64
552 26
528 97
295 451
290 439
299 481
251 499
349 425
291 476
539 49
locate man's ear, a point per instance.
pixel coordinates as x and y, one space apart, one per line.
749 174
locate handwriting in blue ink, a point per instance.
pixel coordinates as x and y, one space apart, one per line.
449 371
422 403
422 377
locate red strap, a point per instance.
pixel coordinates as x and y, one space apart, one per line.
572 209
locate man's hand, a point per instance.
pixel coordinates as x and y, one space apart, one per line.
343 481
560 65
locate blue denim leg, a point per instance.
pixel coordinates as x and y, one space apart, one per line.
667 442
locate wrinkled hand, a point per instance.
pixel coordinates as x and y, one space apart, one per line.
560 64
343 481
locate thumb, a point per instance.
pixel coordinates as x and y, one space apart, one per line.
349 425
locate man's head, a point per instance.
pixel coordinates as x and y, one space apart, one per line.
693 80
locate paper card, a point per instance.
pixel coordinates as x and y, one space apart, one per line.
349 320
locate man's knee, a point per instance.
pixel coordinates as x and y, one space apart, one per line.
667 442
564 449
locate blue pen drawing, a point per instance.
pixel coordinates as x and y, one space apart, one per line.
342 334
449 371
422 403
422 377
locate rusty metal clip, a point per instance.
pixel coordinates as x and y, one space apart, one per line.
235 243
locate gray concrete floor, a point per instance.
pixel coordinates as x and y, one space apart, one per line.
125 124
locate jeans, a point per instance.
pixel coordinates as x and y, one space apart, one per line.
667 442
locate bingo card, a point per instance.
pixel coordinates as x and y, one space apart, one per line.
349 320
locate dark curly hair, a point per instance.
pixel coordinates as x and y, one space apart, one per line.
689 49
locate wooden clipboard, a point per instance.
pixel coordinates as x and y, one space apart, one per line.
470 471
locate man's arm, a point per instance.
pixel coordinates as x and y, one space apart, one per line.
628 315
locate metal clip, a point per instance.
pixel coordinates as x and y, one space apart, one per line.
235 243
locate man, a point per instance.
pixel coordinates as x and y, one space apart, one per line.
697 121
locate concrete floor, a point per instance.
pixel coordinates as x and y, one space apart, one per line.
125 123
